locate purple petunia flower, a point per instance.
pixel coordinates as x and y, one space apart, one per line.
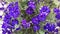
45 9
42 17
56 10
10 6
6 28
50 27
13 10
6 32
58 23
7 18
14 22
57 16
35 20
32 4
36 27
25 24
29 10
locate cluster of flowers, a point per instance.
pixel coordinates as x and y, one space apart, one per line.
57 12
44 11
10 18
40 17
31 7
52 27
12 13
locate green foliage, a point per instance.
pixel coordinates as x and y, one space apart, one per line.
41 32
23 4
51 17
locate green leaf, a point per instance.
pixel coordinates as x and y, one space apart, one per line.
51 17
23 4
40 32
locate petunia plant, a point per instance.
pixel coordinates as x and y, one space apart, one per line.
31 17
